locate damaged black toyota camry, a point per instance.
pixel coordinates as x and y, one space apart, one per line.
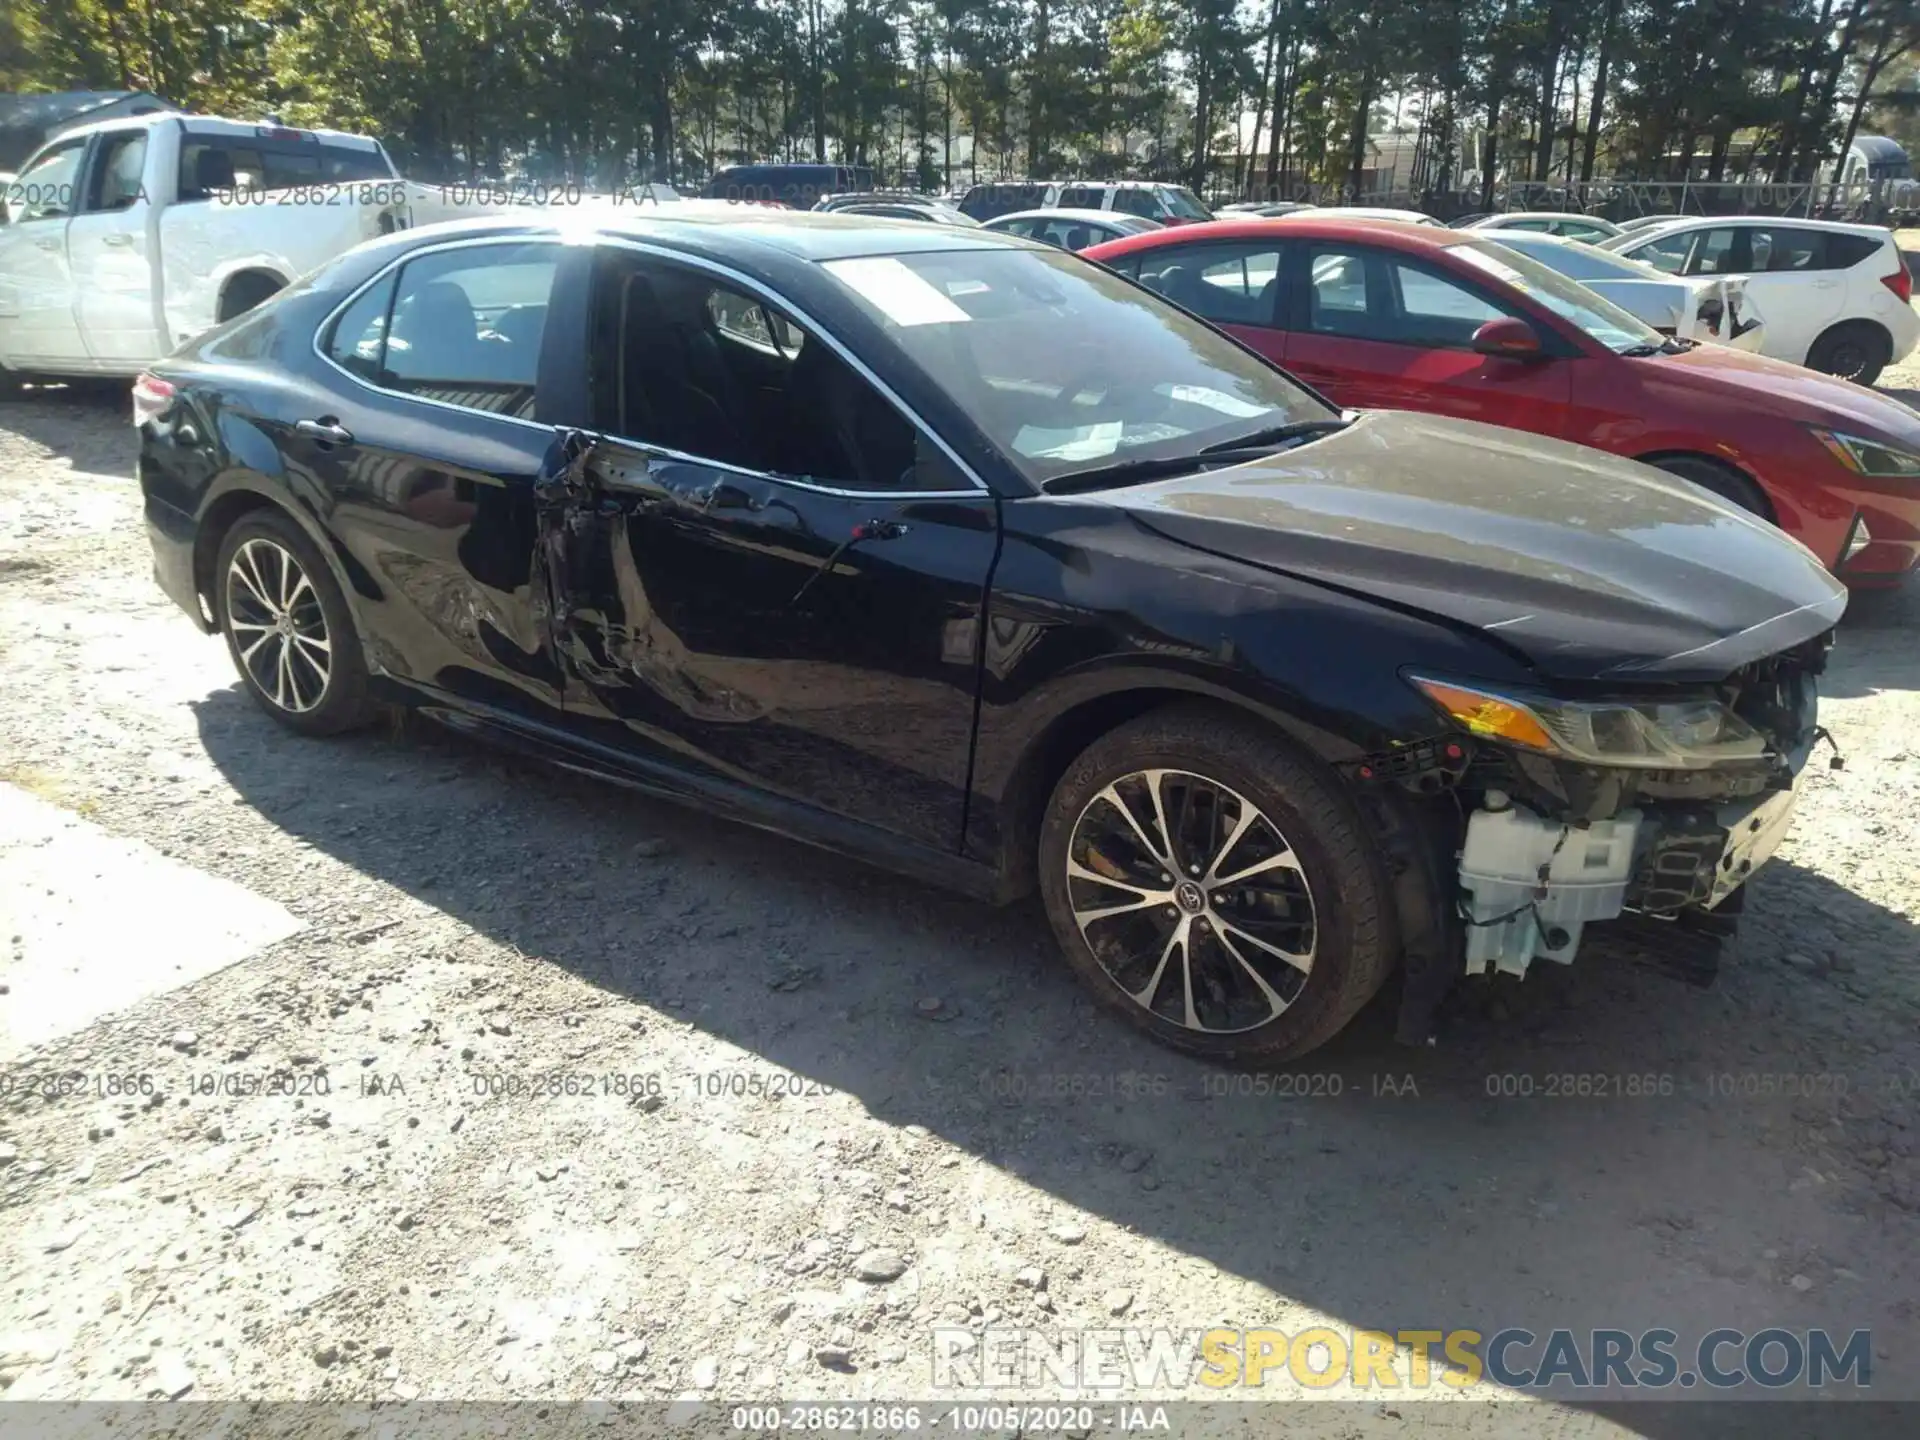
963 556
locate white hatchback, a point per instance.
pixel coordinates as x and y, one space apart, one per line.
1837 298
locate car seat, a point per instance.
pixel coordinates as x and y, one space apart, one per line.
435 336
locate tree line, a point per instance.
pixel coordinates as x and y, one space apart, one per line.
1246 96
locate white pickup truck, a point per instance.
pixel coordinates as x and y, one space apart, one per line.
119 241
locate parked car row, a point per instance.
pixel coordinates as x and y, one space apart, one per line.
1837 297
1456 322
949 550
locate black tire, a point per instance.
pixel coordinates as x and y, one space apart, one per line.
1354 938
1723 480
1856 350
309 696
245 292
9 384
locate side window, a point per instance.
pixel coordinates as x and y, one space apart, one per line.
688 364
117 168
1668 252
358 340
1845 251
1022 228
1718 253
1337 295
1437 311
466 327
1136 202
1080 197
44 190
1227 284
212 167
1788 249
1538 227
1070 234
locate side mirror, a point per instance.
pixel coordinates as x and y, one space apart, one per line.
1507 338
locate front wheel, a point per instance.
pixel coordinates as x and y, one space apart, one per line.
1215 888
1724 481
288 627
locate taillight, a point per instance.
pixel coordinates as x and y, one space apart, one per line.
1900 282
152 397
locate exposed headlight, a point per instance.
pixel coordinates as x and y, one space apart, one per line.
1646 734
1870 457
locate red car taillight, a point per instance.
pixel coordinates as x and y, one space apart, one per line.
1900 282
152 398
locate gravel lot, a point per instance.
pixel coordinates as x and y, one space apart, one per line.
466 922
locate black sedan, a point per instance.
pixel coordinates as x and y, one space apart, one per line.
953 552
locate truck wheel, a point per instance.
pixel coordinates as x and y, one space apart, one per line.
1216 888
244 292
1857 350
9 383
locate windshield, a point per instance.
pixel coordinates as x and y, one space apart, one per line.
1183 202
1064 365
1571 301
1574 258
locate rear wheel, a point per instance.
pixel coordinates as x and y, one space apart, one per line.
1722 480
1857 350
288 628
1215 888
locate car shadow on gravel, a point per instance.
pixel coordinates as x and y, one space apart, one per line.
77 423
1566 1158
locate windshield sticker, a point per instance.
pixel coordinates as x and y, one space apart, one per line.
897 292
1090 442
1213 399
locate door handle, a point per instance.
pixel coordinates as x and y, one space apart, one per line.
326 430
119 237
47 242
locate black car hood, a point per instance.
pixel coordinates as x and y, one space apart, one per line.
1589 565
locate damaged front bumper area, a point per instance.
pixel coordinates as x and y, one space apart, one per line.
1529 885
1536 841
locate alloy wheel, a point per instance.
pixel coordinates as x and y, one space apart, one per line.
1191 900
279 629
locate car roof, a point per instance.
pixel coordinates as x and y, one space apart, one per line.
1363 212
716 229
1393 234
215 125
1496 222
1064 212
1528 237
1795 222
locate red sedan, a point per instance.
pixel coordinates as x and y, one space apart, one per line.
1377 315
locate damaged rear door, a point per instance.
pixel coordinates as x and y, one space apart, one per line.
764 573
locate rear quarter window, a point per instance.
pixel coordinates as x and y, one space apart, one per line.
1846 251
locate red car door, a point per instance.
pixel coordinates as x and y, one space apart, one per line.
1371 328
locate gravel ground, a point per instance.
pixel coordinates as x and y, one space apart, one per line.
466 919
